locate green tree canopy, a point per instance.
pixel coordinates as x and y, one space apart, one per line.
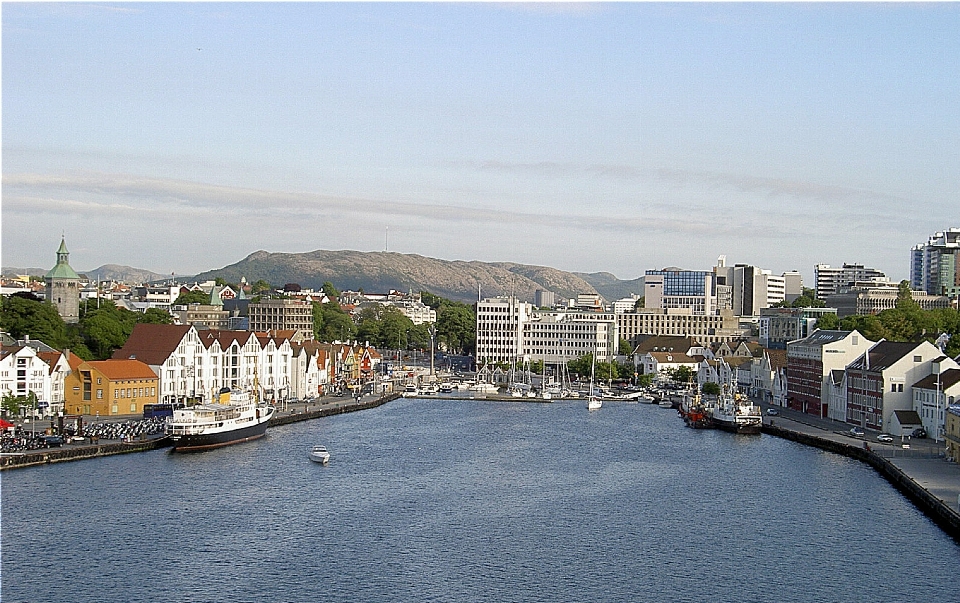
261 286
28 316
457 327
192 297
155 316
336 325
828 322
710 388
330 291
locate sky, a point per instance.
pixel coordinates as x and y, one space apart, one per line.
617 137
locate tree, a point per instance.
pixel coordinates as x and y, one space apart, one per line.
155 316
710 388
828 322
329 290
681 374
192 297
581 366
22 315
261 286
107 327
337 325
457 327
869 326
625 349
12 404
429 299
641 303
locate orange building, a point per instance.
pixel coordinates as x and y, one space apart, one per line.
110 387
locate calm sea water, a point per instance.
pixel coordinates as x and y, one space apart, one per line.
441 500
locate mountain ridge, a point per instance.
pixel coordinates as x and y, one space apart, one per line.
375 271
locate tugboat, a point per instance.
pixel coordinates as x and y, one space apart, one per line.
736 413
694 413
233 418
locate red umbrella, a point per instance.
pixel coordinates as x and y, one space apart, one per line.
5 424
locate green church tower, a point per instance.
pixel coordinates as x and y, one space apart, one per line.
63 287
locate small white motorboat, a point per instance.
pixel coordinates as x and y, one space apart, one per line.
319 454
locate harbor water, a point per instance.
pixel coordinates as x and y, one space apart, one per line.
472 500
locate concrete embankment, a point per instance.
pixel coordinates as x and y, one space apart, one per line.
77 452
72 452
329 409
938 510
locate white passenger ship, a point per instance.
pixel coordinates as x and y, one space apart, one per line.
235 417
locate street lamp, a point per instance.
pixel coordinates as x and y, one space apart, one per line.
433 332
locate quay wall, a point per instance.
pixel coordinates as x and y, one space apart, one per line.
938 511
70 452
330 409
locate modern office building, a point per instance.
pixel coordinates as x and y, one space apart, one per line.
706 329
831 280
863 299
281 315
509 330
677 288
751 288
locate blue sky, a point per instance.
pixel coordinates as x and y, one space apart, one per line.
619 137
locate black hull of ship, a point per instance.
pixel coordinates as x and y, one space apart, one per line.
208 441
737 427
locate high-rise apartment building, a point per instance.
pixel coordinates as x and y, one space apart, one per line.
935 266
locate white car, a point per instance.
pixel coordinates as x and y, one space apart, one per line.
884 437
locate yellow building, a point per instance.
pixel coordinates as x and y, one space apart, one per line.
110 387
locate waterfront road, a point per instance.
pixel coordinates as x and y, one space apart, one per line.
922 459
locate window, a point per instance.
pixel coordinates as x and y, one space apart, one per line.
918 358
133 407
99 394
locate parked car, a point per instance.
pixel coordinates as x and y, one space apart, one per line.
773 412
919 432
884 437
856 432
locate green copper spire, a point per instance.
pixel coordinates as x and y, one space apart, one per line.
62 269
215 297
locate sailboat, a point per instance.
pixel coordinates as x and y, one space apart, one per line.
593 402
